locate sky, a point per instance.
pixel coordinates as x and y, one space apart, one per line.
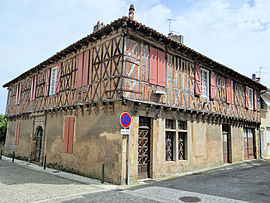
234 33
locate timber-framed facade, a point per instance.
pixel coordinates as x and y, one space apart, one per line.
188 111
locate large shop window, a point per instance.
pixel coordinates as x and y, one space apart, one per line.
175 147
68 135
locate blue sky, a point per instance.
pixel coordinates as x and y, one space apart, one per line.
234 33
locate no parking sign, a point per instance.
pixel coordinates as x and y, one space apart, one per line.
125 119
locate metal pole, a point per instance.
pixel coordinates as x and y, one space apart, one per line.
13 156
45 151
128 157
102 173
1 154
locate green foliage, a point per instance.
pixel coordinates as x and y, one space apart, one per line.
3 127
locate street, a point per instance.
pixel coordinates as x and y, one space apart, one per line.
243 182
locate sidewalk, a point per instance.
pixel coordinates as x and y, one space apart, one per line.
62 174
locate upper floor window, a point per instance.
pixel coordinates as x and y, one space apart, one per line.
53 80
250 99
204 83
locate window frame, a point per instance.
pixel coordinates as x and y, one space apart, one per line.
207 84
251 98
177 130
53 81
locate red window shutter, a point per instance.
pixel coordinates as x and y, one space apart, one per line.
213 86
58 80
85 68
66 129
247 97
153 66
47 82
255 100
161 69
71 134
33 88
17 133
80 71
197 72
229 90
232 93
19 93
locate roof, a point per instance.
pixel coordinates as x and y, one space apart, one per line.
126 22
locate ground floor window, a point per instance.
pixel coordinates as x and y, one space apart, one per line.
175 140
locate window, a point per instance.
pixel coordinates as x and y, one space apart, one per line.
175 146
250 99
182 140
68 135
53 80
204 83
169 146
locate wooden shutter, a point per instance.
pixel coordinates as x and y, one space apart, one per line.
33 88
197 72
71 134
80 71
17 94
213 86
153 66
161 69
58 80
66 129
247 97
229 90
47 82
68 135
255 100
85 68
17 133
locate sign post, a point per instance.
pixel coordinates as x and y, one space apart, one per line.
125 121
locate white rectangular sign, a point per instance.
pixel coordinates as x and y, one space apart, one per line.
125 131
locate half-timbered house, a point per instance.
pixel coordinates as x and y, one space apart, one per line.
188 111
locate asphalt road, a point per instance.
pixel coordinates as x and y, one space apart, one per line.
245 182
249 181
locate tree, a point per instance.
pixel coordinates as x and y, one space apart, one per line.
3 127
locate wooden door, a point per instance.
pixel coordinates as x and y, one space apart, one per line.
226 143
249 144
225 147
268 141
144 148
38 144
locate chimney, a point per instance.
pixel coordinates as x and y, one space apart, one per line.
131 12
98 26
253 76
178 38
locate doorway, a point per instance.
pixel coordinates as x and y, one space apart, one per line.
226 143
144 148
38 140
249 143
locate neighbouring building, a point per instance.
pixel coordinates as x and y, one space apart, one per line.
265 124
188 111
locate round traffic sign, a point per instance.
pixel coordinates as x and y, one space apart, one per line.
125 119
